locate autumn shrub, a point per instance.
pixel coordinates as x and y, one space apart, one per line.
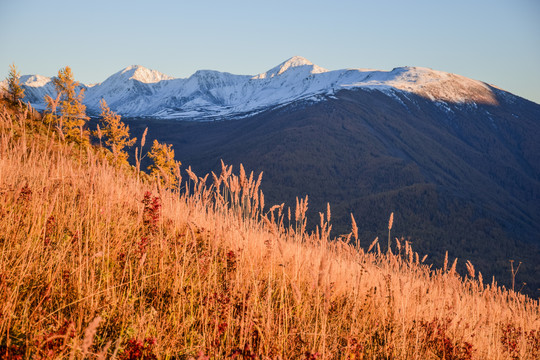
136 349
116 135
514 339
165 168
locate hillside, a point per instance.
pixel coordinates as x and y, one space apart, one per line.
98 261
462 178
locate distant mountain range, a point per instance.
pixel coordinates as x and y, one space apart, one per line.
139 92
457 160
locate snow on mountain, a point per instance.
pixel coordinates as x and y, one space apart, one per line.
35 80
432 84
140 92
128 91
142 74
297 63
35 89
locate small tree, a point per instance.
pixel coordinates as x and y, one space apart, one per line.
116 134
15 91
72 111
164 167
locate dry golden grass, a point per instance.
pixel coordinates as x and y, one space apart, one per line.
97 263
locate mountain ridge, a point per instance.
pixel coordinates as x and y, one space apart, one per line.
136 91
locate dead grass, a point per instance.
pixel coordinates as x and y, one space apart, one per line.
96 262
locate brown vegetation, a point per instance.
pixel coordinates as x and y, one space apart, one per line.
98 262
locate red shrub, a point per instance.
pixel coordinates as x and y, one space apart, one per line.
50 229
512 337
151 212
439 341
139 350
26 194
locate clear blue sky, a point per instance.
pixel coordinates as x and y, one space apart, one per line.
496 41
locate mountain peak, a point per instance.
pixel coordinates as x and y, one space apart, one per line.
296 62
34 80
142 74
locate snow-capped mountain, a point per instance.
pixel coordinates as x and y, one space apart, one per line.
128 91
35 89
140 92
